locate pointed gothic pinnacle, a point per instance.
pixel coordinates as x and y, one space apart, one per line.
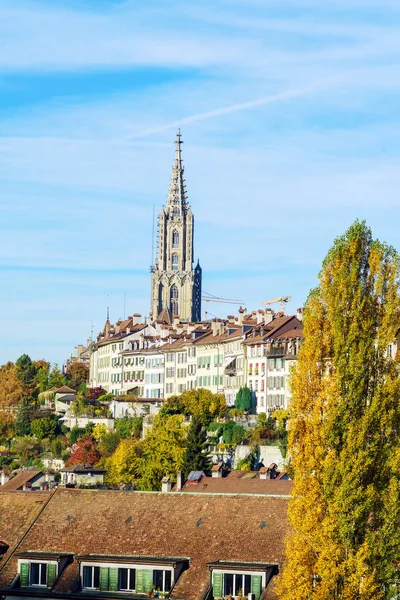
177 196
178 143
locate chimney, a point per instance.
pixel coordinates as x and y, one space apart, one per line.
263 473
299 313
215 327
216 471
3 478
240 315
136 319
166 485
268 315
180 480
260 316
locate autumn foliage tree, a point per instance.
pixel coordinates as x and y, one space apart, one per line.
11 395
84 451
344 430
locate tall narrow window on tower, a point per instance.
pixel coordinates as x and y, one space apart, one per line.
174 300
176 285
175 262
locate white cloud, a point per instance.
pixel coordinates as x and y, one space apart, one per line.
290 127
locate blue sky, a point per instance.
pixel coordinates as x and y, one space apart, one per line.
291 123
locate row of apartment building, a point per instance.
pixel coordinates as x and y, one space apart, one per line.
165 357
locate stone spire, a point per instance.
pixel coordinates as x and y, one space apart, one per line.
177 197
175 285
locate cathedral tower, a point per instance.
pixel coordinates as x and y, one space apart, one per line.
175 285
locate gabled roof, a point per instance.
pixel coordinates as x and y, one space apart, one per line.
18 481
64 390
202 527
82 469
164 318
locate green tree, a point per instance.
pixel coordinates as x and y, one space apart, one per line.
109 443
76 433
196 456
246 398
26 372
129 427
163 450
56 378
344 430
42 375
56 447
22 425
24 447
46 427
172 406
233 433
238 399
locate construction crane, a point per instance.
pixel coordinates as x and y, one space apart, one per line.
211 298
283 300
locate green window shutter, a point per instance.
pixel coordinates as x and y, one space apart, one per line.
24 574
113 579
256 585
217 585
103 579
51 574
140 581
148 579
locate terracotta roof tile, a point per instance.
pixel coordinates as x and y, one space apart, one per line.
202 527
248 484
18 510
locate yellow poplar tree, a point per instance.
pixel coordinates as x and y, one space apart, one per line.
344 438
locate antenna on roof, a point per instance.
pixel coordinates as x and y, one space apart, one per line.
153 235
108 310
124 304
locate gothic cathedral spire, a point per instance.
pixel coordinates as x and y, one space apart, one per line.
175 285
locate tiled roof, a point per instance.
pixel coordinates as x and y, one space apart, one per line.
202 527
18 510
140 400
244 485
19 480
82 469
292 333
65 390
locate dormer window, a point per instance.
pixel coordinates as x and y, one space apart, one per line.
39 569
129 574
238 580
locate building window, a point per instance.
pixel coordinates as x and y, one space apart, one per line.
175 262
162 580
175 239
38 574
235 584
91 578
174 300
127 580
